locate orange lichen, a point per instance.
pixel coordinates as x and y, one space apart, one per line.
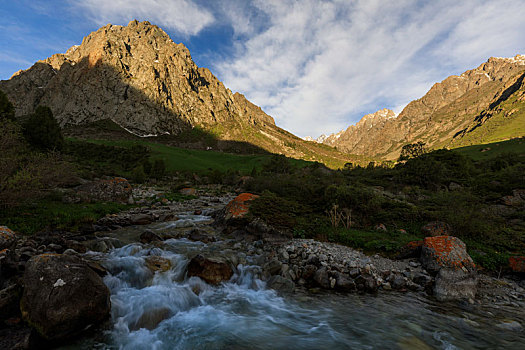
517 263
6 233
413 245
449 251
239 207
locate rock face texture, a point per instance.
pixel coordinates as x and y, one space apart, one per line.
138 78
481 105
62 296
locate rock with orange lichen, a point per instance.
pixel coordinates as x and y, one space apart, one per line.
517 264
7 238
239 206
456 272
445 252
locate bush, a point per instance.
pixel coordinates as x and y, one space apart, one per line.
42 130
159 169
138 175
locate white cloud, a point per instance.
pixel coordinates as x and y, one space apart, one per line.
318 66
182 16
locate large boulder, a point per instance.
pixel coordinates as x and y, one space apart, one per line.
115 189
62 296
445 252
212 271
7 238
239 206
456 272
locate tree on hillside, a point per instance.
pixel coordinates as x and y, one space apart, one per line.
7 111
42 130
412 150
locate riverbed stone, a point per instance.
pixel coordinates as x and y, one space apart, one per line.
211 270
62 296
149 236
455 284
157 263
322 278
280 283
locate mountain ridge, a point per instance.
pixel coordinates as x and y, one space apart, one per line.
446 114
137 77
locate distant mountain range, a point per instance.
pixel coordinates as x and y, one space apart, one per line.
482 105
136 77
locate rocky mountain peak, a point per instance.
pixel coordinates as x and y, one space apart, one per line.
134 75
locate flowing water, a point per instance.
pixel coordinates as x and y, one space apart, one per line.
166 310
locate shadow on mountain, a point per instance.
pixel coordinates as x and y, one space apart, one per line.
508 92
83 93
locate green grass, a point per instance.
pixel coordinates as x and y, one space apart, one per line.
199 161
493 149
51 214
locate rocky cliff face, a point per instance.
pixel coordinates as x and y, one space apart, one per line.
447 113
137 77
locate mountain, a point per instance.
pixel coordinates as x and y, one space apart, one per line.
481 105
138 78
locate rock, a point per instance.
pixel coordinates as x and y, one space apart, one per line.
366 283
322 278
454 186
157 263
8 238
280 283
201 236
410 250
197 212
455 284
149 236
344 283
445 252
510 325
115 189
150 319
273 267
398 282
239 206
517 264
213 271
517 199
141 219
309 272
436 228
188 191
9 302
380 227
62 296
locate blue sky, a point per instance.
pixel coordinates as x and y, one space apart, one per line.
315 66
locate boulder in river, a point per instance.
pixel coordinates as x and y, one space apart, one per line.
213 271
115 189
62 296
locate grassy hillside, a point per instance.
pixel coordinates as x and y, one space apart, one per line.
191 160
491 150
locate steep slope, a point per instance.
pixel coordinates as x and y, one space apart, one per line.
137 77
449 112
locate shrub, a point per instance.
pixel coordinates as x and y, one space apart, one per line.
42 130
138 175
159 169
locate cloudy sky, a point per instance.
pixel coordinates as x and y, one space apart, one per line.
315 66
